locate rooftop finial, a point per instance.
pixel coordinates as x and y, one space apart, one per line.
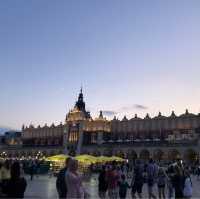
101 114
81 91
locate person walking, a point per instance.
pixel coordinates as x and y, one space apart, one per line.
32 170
137 180
15 186
152 171
102 186
60 181
161 181
123 187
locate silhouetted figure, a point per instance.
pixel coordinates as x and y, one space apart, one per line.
123 187
60 181
32 170
16 186
137 180
178 182
103 186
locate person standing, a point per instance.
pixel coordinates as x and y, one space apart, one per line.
161 183
32 170
15 186
152 171
178 182
187 191
137 180
123 187
102 187
112 179
75 188
60 181
198 172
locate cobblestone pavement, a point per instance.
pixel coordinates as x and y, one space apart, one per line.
44 187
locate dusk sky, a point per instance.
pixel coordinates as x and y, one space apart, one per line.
131 56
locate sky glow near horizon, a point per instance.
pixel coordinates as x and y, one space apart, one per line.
130 57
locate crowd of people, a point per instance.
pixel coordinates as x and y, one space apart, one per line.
172 182
116 180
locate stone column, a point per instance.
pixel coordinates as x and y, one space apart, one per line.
65 138
99 138
80 140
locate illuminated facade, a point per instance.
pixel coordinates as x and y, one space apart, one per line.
161 136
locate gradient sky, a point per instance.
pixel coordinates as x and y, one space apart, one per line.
131 56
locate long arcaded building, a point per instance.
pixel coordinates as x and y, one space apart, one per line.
160 137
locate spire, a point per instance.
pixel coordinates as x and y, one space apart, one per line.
173 114
80 97
80 104
101 114
147 116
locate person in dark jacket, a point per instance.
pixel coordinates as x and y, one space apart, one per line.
138 179
178 182
15 186
60 181
32 170
103 186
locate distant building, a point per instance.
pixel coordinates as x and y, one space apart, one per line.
160 137
13 138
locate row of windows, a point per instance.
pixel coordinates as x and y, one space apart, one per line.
43 133
180 123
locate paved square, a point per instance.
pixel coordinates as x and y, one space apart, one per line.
45 187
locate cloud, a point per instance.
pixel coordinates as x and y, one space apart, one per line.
109 112
139 106
124 109
133 107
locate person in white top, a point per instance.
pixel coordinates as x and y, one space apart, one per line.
75 188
